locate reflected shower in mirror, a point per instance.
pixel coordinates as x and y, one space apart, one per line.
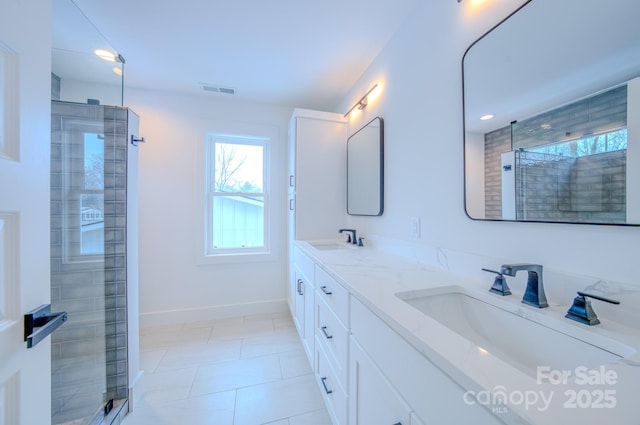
551 115
365 170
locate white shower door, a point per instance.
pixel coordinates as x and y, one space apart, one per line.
25 387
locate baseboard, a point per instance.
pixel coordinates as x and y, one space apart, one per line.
136 390
175 317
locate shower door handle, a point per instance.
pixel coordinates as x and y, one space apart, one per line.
39 323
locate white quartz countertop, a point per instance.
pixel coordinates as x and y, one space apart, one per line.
374 277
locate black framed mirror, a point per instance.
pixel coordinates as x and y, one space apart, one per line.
552 115
365 170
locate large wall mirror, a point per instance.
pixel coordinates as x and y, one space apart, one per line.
552 115
365 170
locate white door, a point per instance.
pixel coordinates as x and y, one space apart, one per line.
25 92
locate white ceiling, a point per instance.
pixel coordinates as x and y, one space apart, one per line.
303 53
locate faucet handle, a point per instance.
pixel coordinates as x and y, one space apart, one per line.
581 310
499 286
598 297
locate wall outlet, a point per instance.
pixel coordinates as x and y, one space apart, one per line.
414 227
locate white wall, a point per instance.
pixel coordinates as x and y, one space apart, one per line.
633 151
174 287
474 175
421 102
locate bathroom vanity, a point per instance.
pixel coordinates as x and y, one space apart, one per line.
401 341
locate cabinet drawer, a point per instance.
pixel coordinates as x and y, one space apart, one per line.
335 339
334 294
334 395
304 264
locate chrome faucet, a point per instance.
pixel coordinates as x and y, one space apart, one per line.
534 294
351 237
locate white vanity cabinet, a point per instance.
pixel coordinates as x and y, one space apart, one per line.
316 189
302 302
373 400
432 396
332 344
368 374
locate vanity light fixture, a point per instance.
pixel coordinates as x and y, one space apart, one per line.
363 102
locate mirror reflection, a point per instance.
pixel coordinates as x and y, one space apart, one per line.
84 66
552 115
365 170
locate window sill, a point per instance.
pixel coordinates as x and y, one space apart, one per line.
236 258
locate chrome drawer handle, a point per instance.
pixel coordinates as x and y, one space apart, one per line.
300 283
326 292
324 384
324 331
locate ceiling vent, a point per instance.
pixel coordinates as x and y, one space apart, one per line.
217 89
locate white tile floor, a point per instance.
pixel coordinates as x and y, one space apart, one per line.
243 371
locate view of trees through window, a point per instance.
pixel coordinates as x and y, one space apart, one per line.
238 168
237 196
587 145
92 197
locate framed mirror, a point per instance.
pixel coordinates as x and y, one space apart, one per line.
552 115
365 170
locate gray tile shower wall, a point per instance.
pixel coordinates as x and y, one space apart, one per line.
88 259
553 188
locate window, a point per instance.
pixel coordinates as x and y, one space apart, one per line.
587 145
92 197
237 195
82 183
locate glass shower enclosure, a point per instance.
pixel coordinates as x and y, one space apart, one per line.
89 145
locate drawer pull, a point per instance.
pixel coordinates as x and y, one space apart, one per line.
300 283
325 290
324 331
324 384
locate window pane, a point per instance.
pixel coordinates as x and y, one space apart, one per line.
238 222
92 224
587 145
93 161
238 168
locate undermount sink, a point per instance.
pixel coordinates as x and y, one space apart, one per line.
519 341
326 246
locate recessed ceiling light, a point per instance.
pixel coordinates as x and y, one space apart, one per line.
107 55
486 117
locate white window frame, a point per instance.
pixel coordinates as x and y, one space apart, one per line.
206 254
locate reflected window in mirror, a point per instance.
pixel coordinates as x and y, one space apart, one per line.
365 170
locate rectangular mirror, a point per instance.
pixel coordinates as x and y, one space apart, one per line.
552 115
365 170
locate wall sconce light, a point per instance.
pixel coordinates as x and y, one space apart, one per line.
363 102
